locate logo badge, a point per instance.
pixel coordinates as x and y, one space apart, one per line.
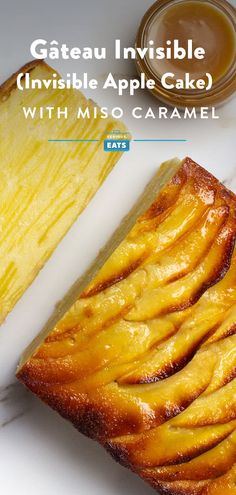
117 141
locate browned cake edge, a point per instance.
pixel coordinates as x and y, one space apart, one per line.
10 83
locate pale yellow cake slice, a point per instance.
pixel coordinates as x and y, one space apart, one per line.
44 185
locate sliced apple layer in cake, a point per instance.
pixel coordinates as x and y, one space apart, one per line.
141 355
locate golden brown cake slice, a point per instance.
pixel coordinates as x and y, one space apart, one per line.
44 185
141 355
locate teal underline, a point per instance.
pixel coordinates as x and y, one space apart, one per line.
73 140
134 140
160 140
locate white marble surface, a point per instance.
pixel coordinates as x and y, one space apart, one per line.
38 450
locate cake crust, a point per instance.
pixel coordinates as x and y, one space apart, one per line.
144 360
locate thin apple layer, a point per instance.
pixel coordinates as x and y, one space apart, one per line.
144 361
44 185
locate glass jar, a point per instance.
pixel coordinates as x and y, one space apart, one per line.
224 84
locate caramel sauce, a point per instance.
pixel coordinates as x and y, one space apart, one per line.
207 26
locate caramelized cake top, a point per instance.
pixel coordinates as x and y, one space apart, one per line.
144 361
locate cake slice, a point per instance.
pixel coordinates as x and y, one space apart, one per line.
44 185
140 355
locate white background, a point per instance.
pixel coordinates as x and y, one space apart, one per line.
40 452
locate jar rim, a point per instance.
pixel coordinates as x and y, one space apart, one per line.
226 83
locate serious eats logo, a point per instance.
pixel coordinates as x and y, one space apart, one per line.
117 141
